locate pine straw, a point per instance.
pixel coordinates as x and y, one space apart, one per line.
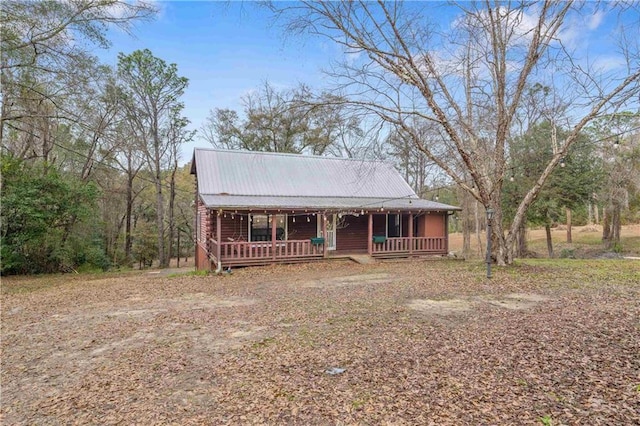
254 347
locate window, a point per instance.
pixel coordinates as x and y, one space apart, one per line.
394 225
260 227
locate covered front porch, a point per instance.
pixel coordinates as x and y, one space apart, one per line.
243 238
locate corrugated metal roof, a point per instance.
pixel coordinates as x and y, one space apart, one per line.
275 174
246 179
321 203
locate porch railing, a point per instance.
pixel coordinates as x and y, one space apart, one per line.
264 250
406 244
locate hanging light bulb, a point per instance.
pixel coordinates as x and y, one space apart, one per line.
437 197
511 178
361 211
308 218
562 164
294 219
616 143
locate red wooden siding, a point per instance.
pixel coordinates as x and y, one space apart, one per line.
379 224
301 229
205 225
353 238
435 225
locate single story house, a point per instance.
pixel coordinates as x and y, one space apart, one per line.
256 208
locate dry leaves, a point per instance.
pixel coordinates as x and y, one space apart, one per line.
548 339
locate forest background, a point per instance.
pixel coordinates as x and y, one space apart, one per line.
93 163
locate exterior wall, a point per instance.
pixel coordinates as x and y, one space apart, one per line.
235 227
353 238
405 224
203 232
435 225
379 224
301 229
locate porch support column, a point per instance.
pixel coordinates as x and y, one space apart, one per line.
410 233
370 235
218 239
325 246
273 236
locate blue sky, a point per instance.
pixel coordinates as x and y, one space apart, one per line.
227 49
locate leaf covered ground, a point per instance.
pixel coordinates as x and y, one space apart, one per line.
424 342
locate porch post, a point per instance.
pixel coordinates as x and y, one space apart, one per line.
273 236
370 235
410 233
219 239
325 246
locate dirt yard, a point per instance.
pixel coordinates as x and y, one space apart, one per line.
424 342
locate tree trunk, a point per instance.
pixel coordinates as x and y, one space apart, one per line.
547 229
569 240
596 211
477 229
127 232
589 213
466 223
178 250
606 229
521 242
616 226
172 198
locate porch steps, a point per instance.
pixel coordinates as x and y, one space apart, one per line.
363 259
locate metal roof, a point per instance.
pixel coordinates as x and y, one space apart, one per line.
321 203
267 180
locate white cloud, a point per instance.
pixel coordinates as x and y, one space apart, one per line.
594 21
607 63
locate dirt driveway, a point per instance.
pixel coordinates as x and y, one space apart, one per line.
328 343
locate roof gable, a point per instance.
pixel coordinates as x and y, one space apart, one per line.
290 175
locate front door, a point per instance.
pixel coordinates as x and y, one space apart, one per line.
330 238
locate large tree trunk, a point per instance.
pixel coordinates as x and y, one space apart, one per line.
521 249
477 229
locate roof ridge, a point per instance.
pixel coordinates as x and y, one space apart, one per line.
408 196
289 154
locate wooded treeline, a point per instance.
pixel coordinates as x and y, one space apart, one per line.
90 154
469 115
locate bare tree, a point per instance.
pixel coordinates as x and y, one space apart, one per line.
288 120
471 81
44 58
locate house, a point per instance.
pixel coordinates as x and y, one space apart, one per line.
260 208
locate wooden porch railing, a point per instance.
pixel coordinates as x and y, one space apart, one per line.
406 244
213 249
235 251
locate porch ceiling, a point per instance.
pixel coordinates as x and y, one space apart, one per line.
321 203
